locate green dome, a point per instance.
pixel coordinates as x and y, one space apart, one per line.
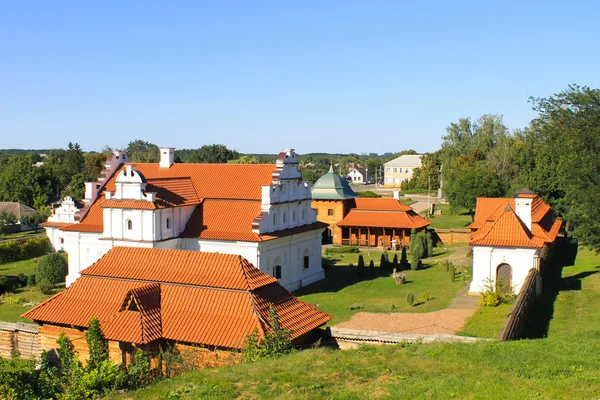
331 186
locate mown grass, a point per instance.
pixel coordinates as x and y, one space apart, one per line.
12 312
487 322
26 267
564 365
446 220
343 289
25 234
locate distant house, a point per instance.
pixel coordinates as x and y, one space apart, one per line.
358 175
19 211
204 304
510 237
400 169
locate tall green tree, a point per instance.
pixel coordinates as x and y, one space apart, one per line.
140 151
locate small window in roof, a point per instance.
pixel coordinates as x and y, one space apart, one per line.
132 306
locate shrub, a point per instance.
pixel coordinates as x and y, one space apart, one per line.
489 299
371 268
15 251
360 270
387 257
137 370
10 298
426 297
368 193
46 286
31 280
448 265
451 274
22 278
470 253
415 265
276 342
97 344
429 242
3 283
410 298
52 267
395 260
343 249
382 262
356 306
404 259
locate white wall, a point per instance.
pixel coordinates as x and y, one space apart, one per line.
487 259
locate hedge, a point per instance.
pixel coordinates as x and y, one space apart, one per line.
15 251
345 249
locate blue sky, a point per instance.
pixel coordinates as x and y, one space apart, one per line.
258 76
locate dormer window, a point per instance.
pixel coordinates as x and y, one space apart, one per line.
133 306
129 225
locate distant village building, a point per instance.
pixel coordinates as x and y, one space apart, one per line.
19 211
355 221
400 169
510 237
259 211
358 175
203 304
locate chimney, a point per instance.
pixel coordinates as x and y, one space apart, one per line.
523 210
167 156
397 194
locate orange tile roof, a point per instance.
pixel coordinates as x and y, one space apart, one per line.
129 204
49 224
216 300
384 219
185 184
488 230
380 204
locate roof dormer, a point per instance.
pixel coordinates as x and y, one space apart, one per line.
130 184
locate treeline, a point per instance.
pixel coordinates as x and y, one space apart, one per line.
557 156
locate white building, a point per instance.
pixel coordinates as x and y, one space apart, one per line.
358 175
259 211
511 236
400 169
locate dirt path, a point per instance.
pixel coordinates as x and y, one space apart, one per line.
458 257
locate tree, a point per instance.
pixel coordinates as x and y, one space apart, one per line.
360 270
140 151
371 268
34 220
467 182
52 267
97 344
245 159
569 123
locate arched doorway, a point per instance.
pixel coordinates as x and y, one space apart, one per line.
504 276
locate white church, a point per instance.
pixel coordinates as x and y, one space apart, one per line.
511 236
259 211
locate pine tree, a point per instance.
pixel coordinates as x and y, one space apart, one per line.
361 266
371 268
97 344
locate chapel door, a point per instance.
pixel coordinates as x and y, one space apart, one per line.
504 276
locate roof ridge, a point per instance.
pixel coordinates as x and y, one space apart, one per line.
244 273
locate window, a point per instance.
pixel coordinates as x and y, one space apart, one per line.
303 214
133 306
395 169
330 211
284 217
277 272
62 240
129 225
306 259
294 216
274 219
168 223
388 170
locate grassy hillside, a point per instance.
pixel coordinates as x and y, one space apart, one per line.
564 365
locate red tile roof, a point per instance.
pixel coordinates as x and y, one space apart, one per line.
205 298
129 204
383 213
49 224
496 224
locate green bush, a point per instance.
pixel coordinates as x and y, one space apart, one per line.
31 280
452 274
369 193
360 270
339 250
45 286
395 260
52 267
13 250
22 278
415 265
404 259
276 342
382 262
371 268
3 283
410 298
429 242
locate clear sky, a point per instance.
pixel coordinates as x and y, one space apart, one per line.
258 76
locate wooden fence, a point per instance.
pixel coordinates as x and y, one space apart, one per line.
519 313
453 235
16 336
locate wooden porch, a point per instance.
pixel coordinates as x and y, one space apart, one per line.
375 237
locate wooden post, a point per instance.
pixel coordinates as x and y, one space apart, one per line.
368 237
350 236
359 235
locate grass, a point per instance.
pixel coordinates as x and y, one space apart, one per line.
26 267
25 234
563 365
487 322
343 288
12 312
447 220
408 201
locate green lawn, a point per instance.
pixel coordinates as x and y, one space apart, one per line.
343 289
487 322
26 234
564 365
447 220
26 267
12 312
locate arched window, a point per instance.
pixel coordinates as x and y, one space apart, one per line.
284 217
294 216
129 225
306 259
168 223
275 219
303 214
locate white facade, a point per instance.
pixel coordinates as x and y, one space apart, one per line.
65 214
294 257
487 260
356 176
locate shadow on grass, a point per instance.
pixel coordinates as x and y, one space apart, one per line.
338 278
552 284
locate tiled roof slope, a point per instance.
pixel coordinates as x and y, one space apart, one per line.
383 213
208 181
17 209
171 192
496 223
216 300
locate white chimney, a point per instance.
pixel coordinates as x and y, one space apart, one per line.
397 194
167 156
523 210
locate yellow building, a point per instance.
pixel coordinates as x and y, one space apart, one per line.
400 169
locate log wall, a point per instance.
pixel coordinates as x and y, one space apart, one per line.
16 336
